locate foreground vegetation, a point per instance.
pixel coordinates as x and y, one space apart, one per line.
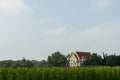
81 73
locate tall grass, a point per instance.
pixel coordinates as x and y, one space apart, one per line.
80 73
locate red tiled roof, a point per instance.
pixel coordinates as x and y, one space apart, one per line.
85 54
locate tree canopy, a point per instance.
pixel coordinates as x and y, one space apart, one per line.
57 59
107 60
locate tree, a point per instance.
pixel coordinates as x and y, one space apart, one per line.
23 62
7 63
15 64
118 60
104 59
94 60
26 63
57 59
112 60
43 63
68 59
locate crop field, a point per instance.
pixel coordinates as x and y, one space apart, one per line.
81 73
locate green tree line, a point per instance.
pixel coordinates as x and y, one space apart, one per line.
56 59
59 60
105 60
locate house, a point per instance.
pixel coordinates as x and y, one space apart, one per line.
77 58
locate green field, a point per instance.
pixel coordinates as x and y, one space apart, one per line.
81 73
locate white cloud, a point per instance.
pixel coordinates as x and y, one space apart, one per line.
103 2
14 6
109 29
99 38
56 31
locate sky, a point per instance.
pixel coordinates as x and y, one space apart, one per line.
35 29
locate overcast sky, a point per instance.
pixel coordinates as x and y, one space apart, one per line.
35 29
